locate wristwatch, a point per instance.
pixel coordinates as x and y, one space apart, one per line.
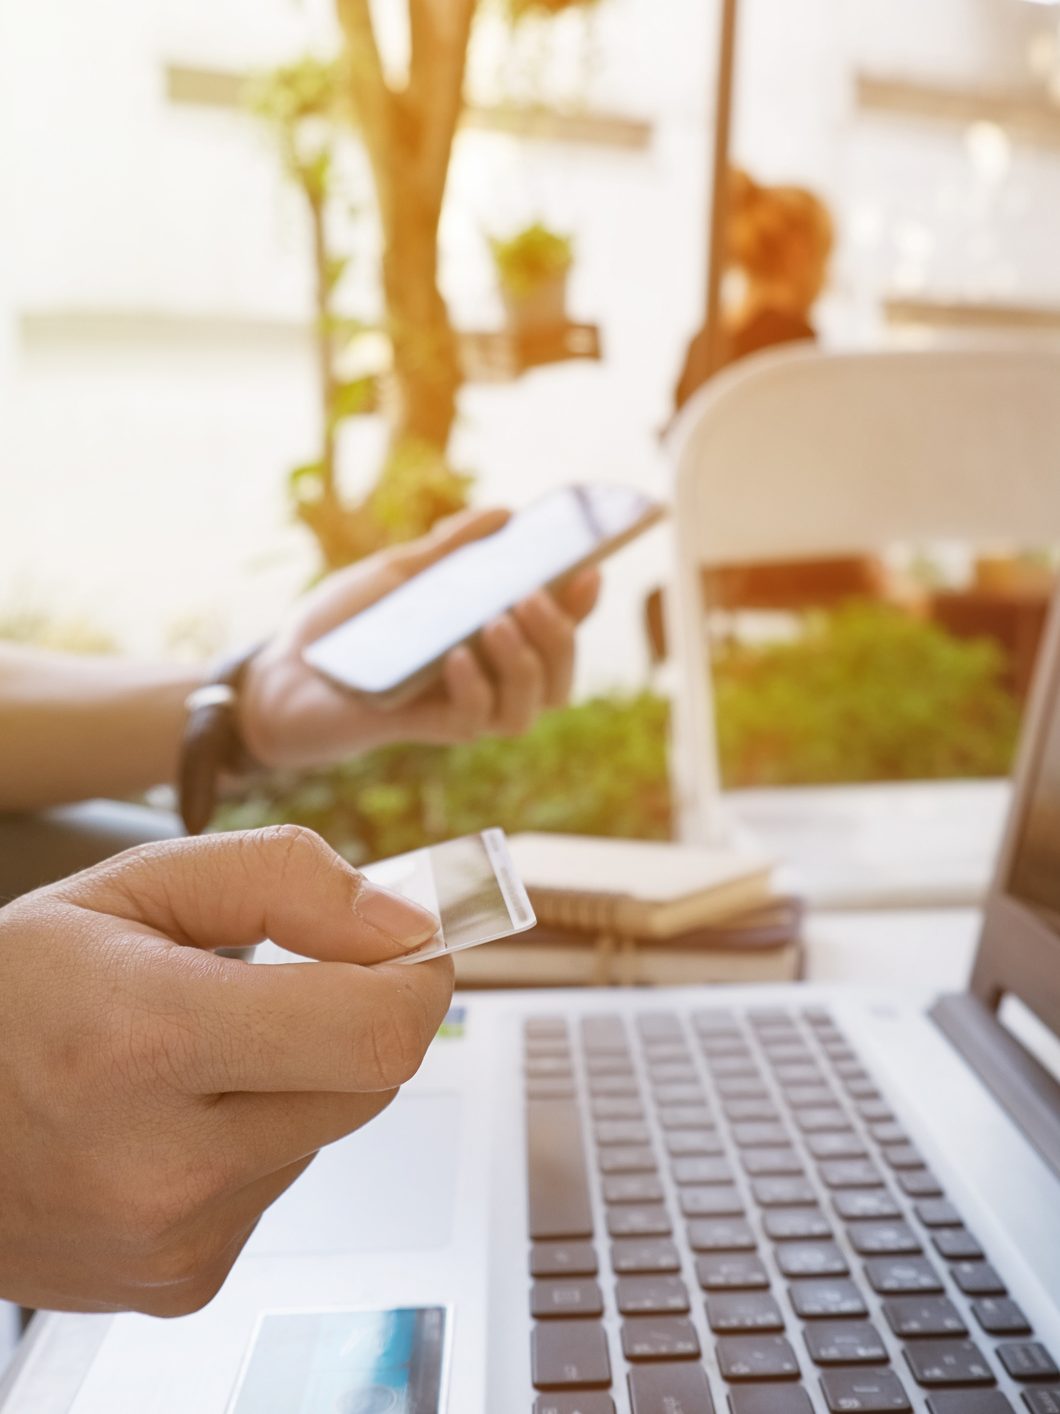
212 745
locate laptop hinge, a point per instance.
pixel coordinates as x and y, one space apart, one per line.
1029 1094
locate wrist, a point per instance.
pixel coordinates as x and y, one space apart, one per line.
213 745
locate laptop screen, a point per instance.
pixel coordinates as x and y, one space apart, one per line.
1034 873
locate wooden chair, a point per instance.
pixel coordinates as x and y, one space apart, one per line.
803 455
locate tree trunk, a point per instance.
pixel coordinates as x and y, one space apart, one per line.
426 368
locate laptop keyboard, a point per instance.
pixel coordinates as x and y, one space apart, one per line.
747 1168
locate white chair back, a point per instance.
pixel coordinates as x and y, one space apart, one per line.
804 454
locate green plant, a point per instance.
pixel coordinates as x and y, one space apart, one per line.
867 693
533 257
598 768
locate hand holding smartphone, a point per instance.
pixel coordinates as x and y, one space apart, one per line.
392 650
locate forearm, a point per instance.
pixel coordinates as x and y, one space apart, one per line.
73 728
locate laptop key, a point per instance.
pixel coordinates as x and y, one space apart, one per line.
678 1094
801 1097
630 1256
558 1182
969 1401
784 1193
563 1259
670 1389
760 1134
604 1033
888 1131
652 1296
700 1168
937 1212
811 1259
948 1362
920 1317
621 1131
999 1315
631 1221
625 1085
728 1271
569 1355
822 1119
826 1300
769 1399
883 1239
865 1204
902 1156
574 1404
840 1144
756 1357
632 1188
978 1279
550 1299
737 1087
716 1201
956 1244
796 1225
693 1141
721 1235
1028 1360
845 1343
850 1173
659 1338
551 1088
919 1183
626 1158
873 1111
1042 1401
864 1392
685 1117
775 1163
898 1276
740 1111
729 1312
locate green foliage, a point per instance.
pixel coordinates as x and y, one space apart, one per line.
416 487
867 693
303 104
598 768
531 258
40 629
523 9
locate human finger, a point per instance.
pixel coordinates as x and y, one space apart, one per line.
551 632
232 890
579 595
310 1027
248 1136
519 672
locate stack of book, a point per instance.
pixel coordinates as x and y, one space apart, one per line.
634 912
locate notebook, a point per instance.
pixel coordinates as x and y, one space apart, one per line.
642 889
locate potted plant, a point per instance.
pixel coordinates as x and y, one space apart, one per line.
532 268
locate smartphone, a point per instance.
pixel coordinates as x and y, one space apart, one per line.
469 884
391 650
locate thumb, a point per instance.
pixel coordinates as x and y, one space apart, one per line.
233 890
448 535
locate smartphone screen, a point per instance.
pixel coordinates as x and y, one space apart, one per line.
469 884
412 628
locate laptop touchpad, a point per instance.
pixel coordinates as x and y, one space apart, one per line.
388 1188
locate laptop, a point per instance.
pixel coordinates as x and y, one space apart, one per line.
773 1200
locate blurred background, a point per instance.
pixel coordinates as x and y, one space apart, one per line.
209 392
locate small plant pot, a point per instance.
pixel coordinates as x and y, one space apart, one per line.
1011 574
540 309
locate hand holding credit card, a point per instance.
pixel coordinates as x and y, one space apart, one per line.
469 884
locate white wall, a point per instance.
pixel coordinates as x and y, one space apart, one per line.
141 476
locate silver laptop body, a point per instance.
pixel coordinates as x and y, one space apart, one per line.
754 1162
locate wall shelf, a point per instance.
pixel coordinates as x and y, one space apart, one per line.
225 89
1022 113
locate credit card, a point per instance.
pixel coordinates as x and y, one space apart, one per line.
469 884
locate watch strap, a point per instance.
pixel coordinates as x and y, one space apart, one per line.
212 745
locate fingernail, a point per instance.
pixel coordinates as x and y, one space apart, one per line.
405 922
